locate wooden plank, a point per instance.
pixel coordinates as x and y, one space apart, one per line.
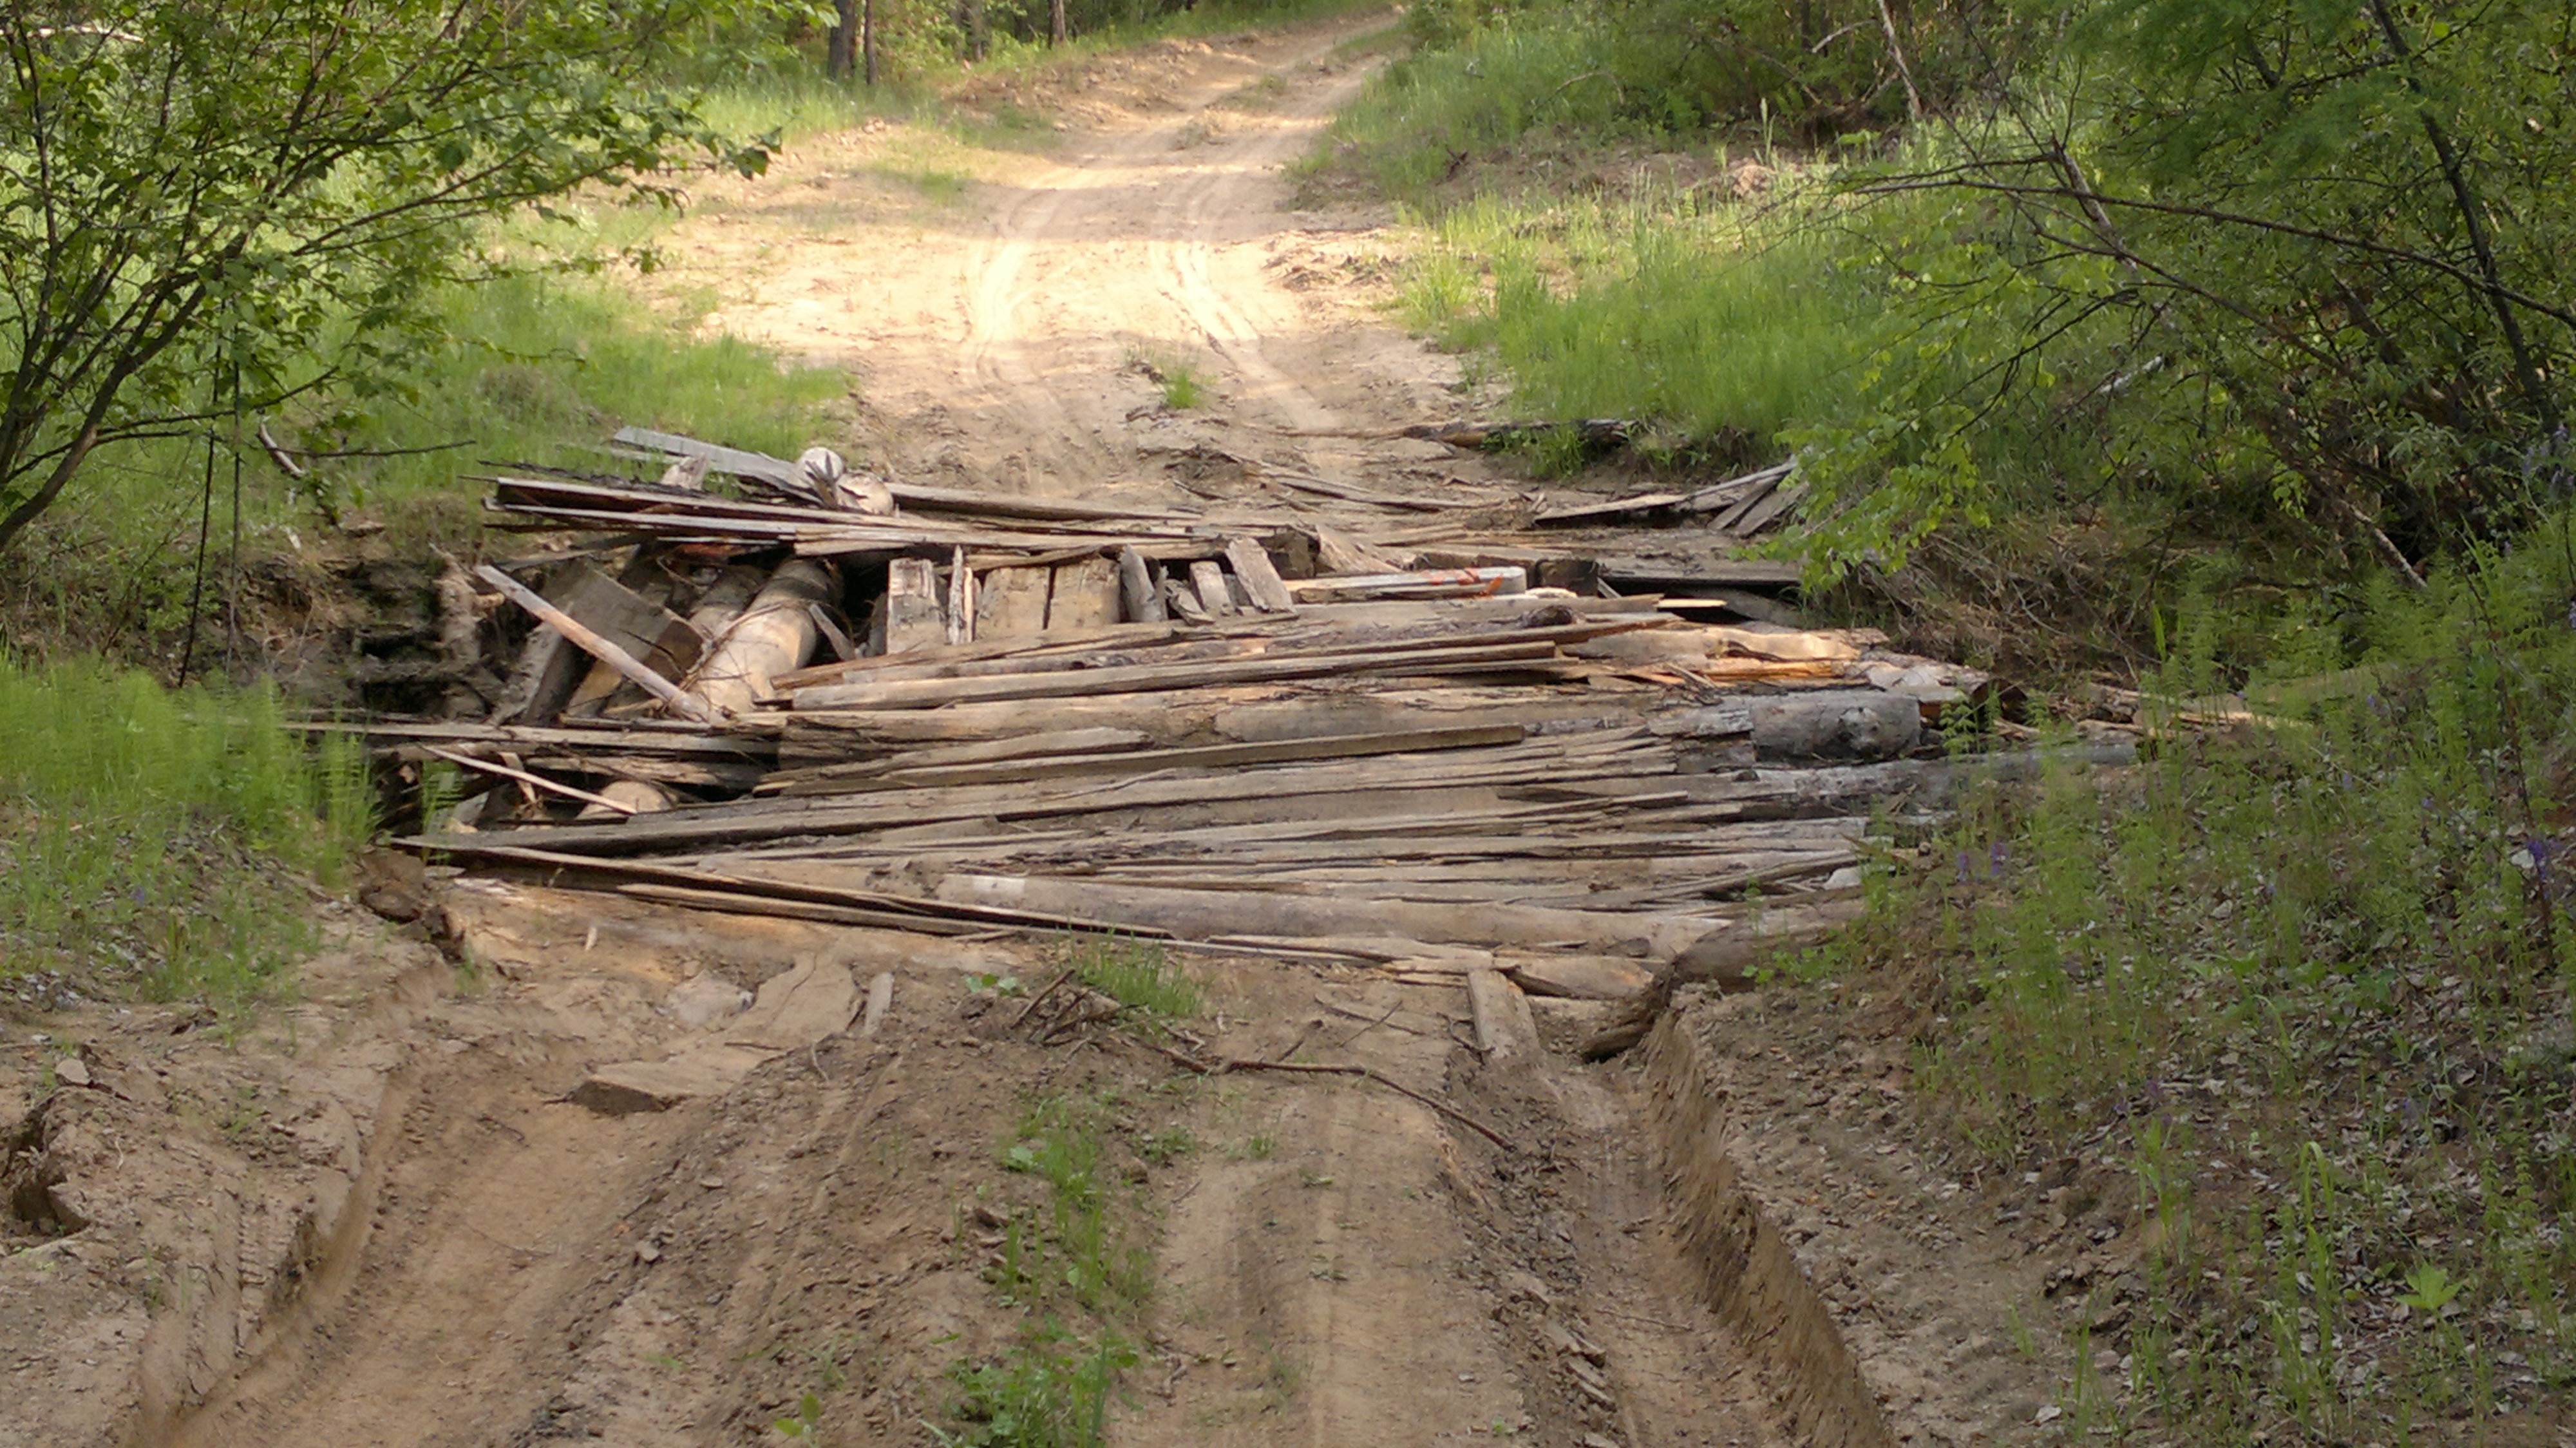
1616 507
961 600
753 822
1261 581
600 648
1085 596
1023 746
760 465
1140 590
932 693
913 617
1122 637
1214 756
880 1003
1434 583
1216 596
1763 514
524 777
1505 1031
1011 603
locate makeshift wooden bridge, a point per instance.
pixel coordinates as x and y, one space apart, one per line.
1444 746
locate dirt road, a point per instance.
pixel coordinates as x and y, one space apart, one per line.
1005 312
391 1219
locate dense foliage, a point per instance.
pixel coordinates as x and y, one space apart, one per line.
2230 268
209 210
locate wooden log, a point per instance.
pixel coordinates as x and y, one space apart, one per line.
1261 581
775 634
1140 590
1011 603
913 617
1580 977
693 707
626 798
1216 596
1084 596
725 599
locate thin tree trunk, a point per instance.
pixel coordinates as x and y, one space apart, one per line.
868 38
43 498
979 39
839 57
1056 33
2526 370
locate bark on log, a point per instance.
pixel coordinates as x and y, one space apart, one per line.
774 635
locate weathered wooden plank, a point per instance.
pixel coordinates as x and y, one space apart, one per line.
1505 1031
931 693
1084 596
1140 589
961 600
1011 604
913 616
1260 580
1434 583
1215 756
602 649
1216 596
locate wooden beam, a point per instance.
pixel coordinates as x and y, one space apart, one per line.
1261 582
600 648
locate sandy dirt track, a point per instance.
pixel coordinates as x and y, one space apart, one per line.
383 1221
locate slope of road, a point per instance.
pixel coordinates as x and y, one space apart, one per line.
1001 338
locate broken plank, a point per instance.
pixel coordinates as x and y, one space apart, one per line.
1084 596
913 617
599 648
1260 580
1011 603
1216 596
1140 589
1505 1031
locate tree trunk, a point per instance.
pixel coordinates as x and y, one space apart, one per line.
868 38
840 56
970 19
1056 34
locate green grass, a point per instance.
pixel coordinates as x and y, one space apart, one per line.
1710 323
1080 1272
1139 975
153 843
2309 984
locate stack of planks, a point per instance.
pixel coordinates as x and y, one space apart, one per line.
903 707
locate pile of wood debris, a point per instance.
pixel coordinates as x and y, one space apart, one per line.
1438 747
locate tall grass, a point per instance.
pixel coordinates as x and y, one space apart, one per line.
156 842
1710 322
2310 980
